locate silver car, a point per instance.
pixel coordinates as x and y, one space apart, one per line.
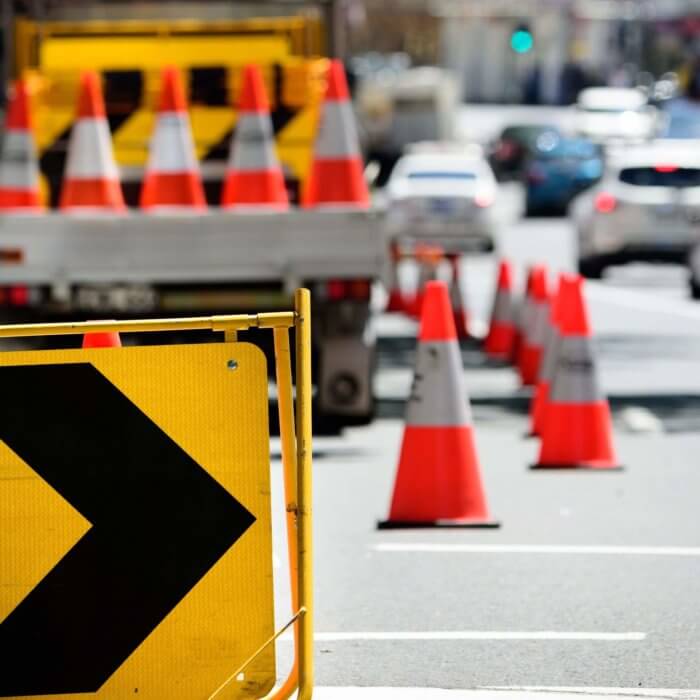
646 207
443 196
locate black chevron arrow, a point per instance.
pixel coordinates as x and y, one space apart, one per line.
159 523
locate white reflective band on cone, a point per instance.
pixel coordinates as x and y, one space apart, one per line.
438 395
575 377
337 135
18 163
549 358
253 144
503 310
172 149
537 330
90 154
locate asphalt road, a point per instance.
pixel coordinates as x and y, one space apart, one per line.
592 581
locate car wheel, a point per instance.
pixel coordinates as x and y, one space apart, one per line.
694 288
592 268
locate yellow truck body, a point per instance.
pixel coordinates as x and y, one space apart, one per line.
129 56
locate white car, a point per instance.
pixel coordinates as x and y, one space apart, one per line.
646 207
443 195
607 114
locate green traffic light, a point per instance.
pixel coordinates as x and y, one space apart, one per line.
521 41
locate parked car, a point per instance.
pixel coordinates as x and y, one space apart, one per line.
608 114
443 193
558 170
509 154
646 207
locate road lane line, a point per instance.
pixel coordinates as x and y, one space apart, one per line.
535 549
641 301
476 635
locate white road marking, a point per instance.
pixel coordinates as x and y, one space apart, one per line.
641 301
476 635
506 693
535 549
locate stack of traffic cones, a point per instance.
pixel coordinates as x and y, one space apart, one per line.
254 178
438 481
396 301
576 424
540 396
19 169
535 329
336 177
522 312
500 340
459 310
172 178
91 179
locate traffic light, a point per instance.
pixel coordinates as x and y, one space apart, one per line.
521 40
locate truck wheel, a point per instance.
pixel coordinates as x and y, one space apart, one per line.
694 288
592 268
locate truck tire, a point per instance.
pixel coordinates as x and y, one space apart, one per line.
694 286
592 268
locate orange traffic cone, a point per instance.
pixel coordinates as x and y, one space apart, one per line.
254 177
396 301
336 177
102 340
172 178
535 329
522 313
577 427
540 397
19 169
438 482
461 316
501 336
91 179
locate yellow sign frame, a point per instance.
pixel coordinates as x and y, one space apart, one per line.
296 443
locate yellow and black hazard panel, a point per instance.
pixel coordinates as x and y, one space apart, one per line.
136 555
130 55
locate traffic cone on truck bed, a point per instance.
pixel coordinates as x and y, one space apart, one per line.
19 168
254 178
576 425
91 179
337 173
172 179
438 481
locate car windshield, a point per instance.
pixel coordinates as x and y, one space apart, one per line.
440 175
527 134
661 176
568 148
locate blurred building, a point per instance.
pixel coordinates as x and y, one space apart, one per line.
561 45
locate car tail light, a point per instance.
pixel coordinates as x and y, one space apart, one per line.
483 200
666 168
536 175
340 290
505 150
18 295
605 202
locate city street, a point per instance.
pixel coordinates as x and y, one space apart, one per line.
592 579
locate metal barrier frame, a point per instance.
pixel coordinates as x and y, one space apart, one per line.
296 443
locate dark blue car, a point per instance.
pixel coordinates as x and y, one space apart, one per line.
559 168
